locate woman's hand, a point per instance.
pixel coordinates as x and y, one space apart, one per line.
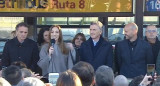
51 50
70 45
36 75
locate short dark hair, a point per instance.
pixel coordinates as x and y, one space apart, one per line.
13 74
104 76
85 72
136 80
21 24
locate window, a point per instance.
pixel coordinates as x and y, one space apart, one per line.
115 34
7 25
81 20
120 20
150 20
65 20
52 21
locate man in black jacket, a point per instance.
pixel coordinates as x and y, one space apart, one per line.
133 54
21 48
152 39
96 50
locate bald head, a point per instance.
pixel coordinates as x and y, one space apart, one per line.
130 31
132 26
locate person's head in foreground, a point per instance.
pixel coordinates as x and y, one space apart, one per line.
31 81
68 78
104 76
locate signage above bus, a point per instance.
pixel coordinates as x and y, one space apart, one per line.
152 5
74 6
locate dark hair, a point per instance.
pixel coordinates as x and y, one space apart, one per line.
21 24
85 72
68 78
79 34
40 39
13 74
104 76
136 80
19 64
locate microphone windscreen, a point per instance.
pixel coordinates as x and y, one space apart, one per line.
53 41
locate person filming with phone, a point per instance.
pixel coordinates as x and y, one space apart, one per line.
55 57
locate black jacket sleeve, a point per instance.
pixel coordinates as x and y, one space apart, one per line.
110 57
35 58
5 56
117 58
149 55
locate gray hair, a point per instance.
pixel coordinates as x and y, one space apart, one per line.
26 72
31 81
104 76
98 23
150 26
120 80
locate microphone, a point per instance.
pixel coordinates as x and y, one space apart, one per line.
52 42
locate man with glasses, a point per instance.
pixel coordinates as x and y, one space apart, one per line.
152 39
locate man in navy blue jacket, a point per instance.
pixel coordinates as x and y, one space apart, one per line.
21 48
96 50
152 39
133 54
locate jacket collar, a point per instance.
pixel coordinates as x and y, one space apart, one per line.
90 41
18 43
148 41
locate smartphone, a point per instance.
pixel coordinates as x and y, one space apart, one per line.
53 78
150 69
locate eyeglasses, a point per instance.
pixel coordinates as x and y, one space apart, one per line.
151 31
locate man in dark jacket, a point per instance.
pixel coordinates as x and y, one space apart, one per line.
21 48
152 39
133 54
96 50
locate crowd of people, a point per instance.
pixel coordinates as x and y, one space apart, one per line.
82 62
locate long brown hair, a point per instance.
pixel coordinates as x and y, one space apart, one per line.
61 44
